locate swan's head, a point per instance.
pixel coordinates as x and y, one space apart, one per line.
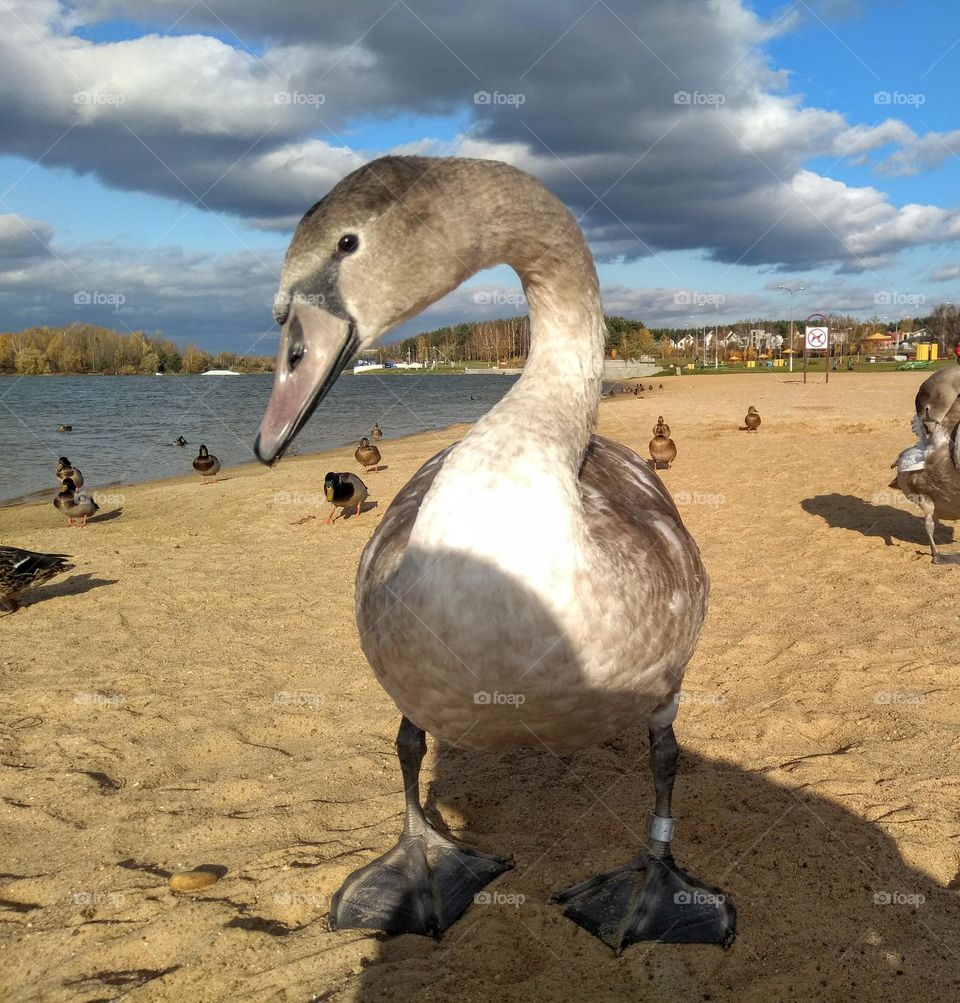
387 241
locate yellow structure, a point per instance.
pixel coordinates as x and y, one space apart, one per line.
751 364
934 351
923 351
778 362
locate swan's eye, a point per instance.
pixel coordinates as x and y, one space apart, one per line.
348 243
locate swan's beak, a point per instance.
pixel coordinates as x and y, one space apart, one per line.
314 347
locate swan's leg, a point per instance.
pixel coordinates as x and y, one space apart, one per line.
426 881
651 898
938 558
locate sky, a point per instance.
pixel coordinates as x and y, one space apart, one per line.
156 155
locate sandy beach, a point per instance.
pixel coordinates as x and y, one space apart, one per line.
194 693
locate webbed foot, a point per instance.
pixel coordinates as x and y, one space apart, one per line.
650 899
422 885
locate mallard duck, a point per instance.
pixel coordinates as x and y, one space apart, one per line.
661 427
343 491
65 469
64 428
180 441
481 595
75 504
929 475
206 464
367 455
375 432
20 569
752 420
938 400
663 451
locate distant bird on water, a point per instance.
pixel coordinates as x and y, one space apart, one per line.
752 420
65 428
344 491
180 441
65 469
21 569
367 455
75 504
376 434
206 464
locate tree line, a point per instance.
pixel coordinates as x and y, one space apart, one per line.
86 348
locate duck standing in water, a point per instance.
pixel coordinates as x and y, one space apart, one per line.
375 432
511 548
206 465
21 569
66 469
343 491
663 450
367 455
74 504
752 420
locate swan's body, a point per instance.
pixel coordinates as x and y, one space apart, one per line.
367 455
929 475
65 469
206 464
532 585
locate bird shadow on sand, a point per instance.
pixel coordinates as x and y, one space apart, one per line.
75 585
883 521
827 905
367 506
106 516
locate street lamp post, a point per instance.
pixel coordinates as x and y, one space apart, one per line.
792 290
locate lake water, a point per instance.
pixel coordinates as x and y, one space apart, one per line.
124 426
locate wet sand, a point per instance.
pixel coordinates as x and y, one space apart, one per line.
193 693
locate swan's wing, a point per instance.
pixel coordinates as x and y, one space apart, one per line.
910 459
382 555
633 520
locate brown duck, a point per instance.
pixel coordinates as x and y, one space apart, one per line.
368 456
752 420
21 569
375 433
663 450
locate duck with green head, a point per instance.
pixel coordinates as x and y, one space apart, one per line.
66 469
343 491
75 504
206 464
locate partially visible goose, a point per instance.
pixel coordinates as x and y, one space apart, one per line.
66 469
343 491
938 399
367 455
206 465
530 560
929 475
751 421
21 569
75 504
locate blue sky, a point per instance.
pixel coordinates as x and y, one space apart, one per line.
177 176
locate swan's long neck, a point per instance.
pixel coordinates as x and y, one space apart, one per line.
516 472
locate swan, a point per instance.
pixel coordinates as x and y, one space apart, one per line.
938 399
929 475
532 585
